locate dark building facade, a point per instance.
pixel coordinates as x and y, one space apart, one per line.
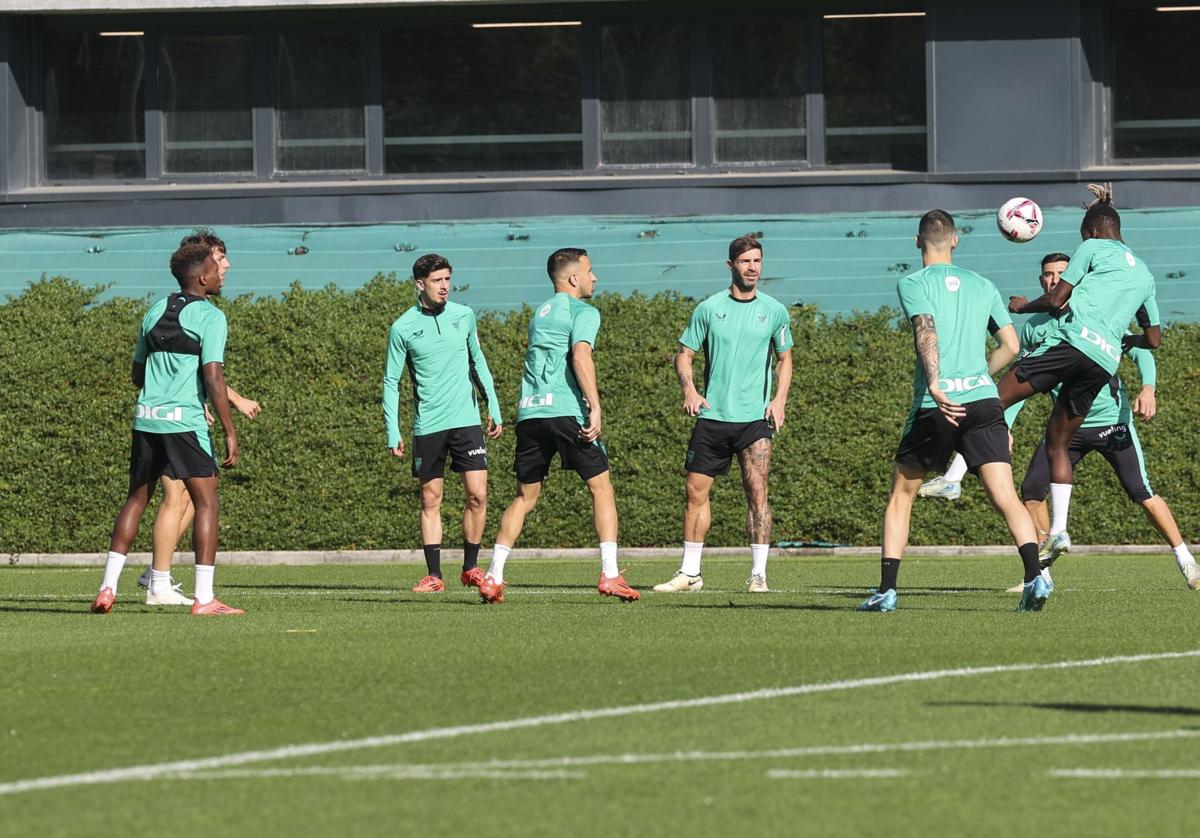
160 112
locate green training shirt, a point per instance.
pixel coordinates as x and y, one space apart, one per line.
740 339
1109 284
441 351
1112 405
963 304
172 397
548 384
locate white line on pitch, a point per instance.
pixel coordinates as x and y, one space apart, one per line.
836 774
1069 739
1125 774
152 771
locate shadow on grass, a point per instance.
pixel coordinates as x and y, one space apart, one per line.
757 606
1077 707
300 586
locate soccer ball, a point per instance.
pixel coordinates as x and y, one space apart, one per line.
1020 219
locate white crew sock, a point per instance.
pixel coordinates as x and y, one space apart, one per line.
204 583
1060 505
1183 556
758 559
608 559
160 581
499 557
957 470
691 557
113 566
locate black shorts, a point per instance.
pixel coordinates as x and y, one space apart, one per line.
465 445
176 455
539 439
1081 378
1116 443
981 437
713 444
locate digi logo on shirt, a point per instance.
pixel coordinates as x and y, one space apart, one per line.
163 414
953 283
545 309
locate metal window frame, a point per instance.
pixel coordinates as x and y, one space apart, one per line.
264 30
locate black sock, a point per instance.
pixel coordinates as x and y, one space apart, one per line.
470 555
889 569
433 559
1029 558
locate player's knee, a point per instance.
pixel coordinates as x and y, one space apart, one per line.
476 499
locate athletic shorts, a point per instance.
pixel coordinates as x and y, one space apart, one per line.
176 455
465 446
981 437
713 444
1082 378
538 440
1116 443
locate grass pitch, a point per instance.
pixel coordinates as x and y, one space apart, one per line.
724 712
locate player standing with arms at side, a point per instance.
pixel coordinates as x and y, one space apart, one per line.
950 310
178 363
743 332
1105 284
559 412
437 341
175 512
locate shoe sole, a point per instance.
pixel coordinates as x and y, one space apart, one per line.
634 597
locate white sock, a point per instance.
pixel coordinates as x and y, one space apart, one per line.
160 581
1183 556
499 557
758 559
1060 505
957 470
608 559
691 557
113 566
204 583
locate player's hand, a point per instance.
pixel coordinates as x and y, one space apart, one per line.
1015 304
953 411
208 417
1145 405
692 402
494 430
591 431
248 408
775 413
231 451
398 451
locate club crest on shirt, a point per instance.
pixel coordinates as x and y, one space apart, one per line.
953 283
458 323
761 317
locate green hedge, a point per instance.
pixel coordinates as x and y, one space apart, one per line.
315 472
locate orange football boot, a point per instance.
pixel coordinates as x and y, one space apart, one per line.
472 578
215 608
429 585
492 591
104 601
618 587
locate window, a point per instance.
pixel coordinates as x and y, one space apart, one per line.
319 111
760 78
461 98
645 93
94 126
875 91
1155 105
206 96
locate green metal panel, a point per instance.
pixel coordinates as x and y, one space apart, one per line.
838 262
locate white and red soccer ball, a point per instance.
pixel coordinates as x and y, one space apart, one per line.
1019 220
